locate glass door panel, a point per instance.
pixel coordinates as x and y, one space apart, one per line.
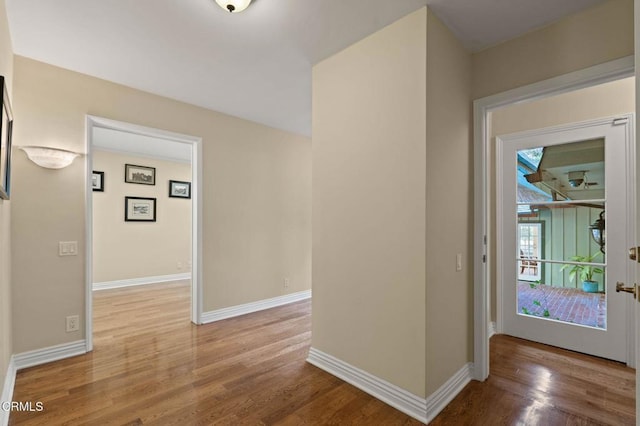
561 268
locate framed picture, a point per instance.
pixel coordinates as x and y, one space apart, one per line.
139 174
6 128
139 209
97 181
179 189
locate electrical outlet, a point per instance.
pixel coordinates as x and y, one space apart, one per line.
179 265
73 323
286 283
459 262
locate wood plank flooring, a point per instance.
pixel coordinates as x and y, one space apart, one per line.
150 365
534 384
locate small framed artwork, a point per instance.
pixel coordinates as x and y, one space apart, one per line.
139 209
179 189
6 128
139 174
97 181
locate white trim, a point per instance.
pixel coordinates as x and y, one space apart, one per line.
88 232
197 237
247 308
386 392
196 211
50 354
492 329
106 285
632 204
598 74
437 401
7 390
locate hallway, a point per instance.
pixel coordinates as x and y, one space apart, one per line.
150 365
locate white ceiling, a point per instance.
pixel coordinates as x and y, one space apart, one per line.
140 145
482 23
255 64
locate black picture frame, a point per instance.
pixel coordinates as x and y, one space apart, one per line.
141 175
139 209
6 130
97 181
179 189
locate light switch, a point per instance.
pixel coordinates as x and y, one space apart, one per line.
459 262
68 248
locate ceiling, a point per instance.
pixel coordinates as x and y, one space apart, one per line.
140 145
255 64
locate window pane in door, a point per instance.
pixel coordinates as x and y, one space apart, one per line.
560 265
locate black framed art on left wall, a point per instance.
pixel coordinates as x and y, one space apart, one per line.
6 128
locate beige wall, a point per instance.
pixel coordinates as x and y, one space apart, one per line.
449 210
369 109
6 70
600 101
125 250
256 199
596 35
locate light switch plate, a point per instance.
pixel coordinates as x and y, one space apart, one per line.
68 248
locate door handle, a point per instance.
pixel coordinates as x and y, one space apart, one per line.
633 253
620 287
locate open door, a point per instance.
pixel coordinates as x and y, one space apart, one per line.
637 219
563 213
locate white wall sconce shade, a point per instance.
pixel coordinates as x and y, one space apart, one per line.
233 6
49 158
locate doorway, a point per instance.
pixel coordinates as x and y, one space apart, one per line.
530 243
574 179
177 143
484 227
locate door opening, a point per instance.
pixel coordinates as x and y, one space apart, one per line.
530 244
484 234
164 185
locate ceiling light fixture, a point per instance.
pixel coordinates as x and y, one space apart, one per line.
49 158
233 6
576 178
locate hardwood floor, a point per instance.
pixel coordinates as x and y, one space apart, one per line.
150 365
534 384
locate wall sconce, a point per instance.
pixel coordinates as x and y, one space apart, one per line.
597 231
233 6
49 158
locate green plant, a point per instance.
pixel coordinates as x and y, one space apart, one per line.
539 308
585 271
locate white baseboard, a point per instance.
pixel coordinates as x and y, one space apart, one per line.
107 285
52 353
492 329
389 393
247 308
7 391
445 394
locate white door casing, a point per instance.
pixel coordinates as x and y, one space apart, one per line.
598 74
636 310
